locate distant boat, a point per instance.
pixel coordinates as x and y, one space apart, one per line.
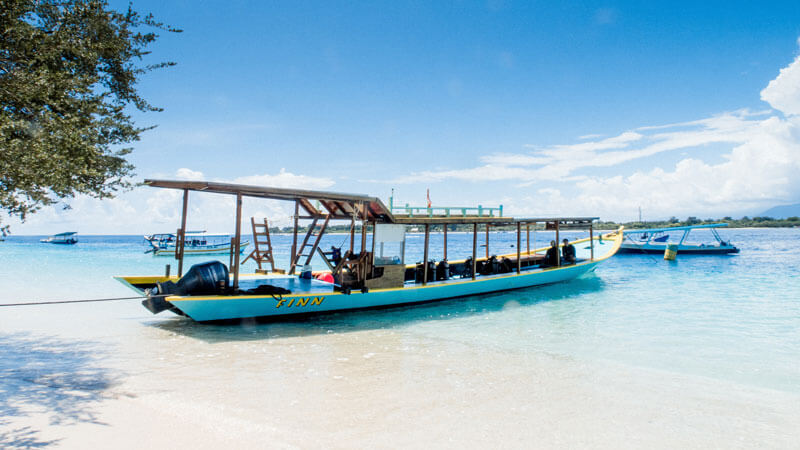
655 240
67 238
196 243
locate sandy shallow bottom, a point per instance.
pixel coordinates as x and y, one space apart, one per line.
395 388
700 353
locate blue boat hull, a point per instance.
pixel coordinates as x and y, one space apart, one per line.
682 249
214 308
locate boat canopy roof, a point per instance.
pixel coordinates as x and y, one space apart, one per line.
337 205
682 228
67 233
343 206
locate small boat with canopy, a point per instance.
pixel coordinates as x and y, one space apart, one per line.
371 273
194 243
655 240
66 238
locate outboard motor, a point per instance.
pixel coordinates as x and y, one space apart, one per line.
442 270
210 278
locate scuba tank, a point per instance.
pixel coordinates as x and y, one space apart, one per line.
442 270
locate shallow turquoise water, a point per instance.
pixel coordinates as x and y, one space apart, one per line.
734 318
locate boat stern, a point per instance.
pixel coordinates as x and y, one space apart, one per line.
143 285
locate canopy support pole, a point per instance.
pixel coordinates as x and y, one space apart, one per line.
487 241
445 242
294 236
591 242
237 239
528 237
425 258
558 243
182 235
519 250
474 248
363 227
352 231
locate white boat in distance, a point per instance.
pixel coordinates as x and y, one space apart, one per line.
655 240
195 243
67 238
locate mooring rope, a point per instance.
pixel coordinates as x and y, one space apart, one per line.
55 302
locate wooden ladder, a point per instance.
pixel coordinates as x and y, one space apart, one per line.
263 244
309 234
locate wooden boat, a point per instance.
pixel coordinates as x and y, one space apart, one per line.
196 243
67 238
655 240
372 276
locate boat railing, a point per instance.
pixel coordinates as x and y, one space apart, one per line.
448 211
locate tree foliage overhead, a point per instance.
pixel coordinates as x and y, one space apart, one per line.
68 74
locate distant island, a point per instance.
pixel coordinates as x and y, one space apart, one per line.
783 211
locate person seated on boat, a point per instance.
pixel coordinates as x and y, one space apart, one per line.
336 255
568 250
551 257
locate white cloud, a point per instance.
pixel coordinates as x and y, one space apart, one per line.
188 174
760 153
147 210
783 93
286 180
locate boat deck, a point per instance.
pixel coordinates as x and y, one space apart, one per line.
305 286
290 282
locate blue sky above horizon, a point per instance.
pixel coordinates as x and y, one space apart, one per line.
546 107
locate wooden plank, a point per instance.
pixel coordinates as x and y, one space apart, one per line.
346 207
363 227
558 243
352 232
182 236
487 241
474 249
445 242
519 244
325 259
238 240
255 253
323 216
425 253
528 238
316 242
328 207
294 235
296 256
308 207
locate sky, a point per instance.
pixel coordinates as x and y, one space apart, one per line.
571 108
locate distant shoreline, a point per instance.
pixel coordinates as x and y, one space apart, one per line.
744 222
598 227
